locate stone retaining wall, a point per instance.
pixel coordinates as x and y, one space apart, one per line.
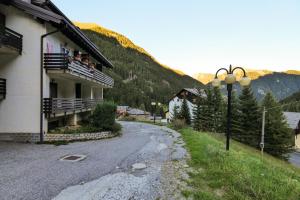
79 136
20 137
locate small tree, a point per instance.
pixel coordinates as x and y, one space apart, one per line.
249 119
278 137
185 112
197 112
175 113
104 115
218 110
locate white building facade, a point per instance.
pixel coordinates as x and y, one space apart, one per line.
41 85
190 94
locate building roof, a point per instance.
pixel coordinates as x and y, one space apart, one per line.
292 119
47 11
135 111
194 91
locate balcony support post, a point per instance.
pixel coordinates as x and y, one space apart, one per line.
42 85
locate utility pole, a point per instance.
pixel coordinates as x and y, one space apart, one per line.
262 143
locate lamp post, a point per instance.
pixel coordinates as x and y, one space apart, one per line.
229 80
154 104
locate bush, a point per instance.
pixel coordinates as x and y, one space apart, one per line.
104 116
116 127
128 118
178 124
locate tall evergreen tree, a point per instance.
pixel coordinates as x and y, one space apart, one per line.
208 110
235 116
249 119
185 112
217 109
278 137
198 120
175 113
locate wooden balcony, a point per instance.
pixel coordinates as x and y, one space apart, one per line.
2 88
60 63
10 41
56 106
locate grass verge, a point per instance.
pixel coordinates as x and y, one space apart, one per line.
238 174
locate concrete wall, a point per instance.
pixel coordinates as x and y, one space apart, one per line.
178 103
19 112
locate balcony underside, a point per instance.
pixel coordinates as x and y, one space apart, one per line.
56 107
76 77
10 41
58 64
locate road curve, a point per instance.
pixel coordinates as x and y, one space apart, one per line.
35 171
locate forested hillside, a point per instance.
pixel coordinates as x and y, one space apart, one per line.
292 103
280 84
139 78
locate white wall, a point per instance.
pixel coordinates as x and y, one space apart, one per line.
20 111
178 102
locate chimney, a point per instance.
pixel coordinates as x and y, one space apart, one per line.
38 2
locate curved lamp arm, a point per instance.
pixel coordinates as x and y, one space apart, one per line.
216 76
245 75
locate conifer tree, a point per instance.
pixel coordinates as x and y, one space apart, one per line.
249 119
217 109
175 113
185 112
235 116
278 137
208 109
198 115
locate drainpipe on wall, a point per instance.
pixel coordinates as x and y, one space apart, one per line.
42 85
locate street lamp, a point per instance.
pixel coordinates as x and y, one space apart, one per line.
229 80
155 104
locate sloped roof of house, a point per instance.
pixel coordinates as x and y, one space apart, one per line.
47 11
194 91
292 119
135 111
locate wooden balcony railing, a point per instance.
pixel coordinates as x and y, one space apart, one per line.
57 61
65 105
2 88
11 39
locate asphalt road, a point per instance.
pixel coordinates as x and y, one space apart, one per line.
295 158
29 171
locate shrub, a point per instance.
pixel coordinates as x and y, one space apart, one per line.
116 127
128 118
104 116
178 124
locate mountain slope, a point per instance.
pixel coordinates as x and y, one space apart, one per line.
280 84
139 78
292 103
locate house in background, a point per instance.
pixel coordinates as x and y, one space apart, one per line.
44 83
190 94
293 120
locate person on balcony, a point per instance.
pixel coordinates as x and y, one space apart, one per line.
92 67
77 56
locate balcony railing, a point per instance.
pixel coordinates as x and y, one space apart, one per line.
59 61
2 88
66 105
11 39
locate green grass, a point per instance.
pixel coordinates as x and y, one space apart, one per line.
240 173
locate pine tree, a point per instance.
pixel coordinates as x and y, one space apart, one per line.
249 119
175 113
218 110
208 110
185 112
198 110
278 137
235 116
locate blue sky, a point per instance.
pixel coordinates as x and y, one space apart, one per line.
202 35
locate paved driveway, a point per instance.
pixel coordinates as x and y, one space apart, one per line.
29 171
295 158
